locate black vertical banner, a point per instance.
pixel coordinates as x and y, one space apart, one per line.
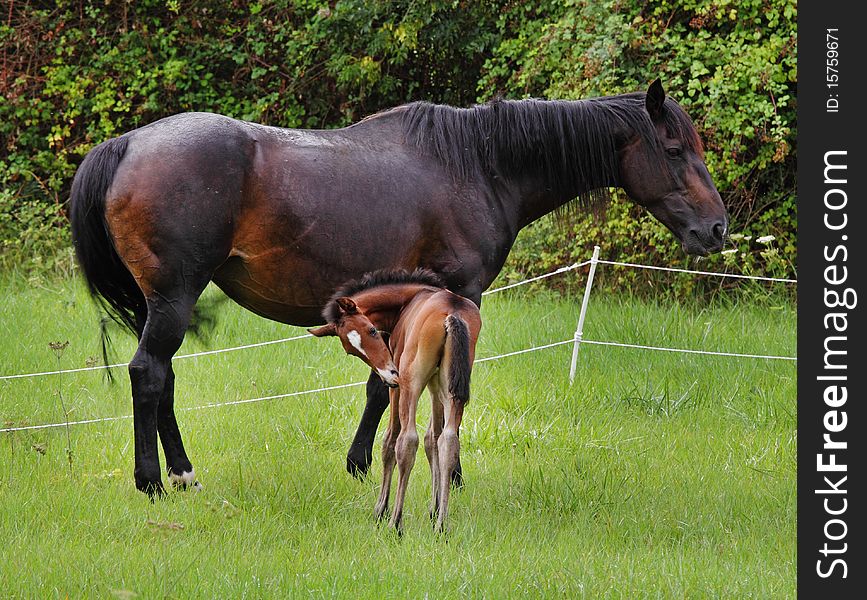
832 426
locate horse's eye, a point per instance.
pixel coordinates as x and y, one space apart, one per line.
372 331
674 151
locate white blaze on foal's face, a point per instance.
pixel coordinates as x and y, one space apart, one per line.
363 340
355 339
360 338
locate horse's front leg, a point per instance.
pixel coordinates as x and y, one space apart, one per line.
360 453
388 457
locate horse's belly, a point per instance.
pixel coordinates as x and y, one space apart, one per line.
272 289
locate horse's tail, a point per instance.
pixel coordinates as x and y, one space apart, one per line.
458 354
110 282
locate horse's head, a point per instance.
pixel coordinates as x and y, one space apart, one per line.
667 175
360 338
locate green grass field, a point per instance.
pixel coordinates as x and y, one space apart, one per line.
655 475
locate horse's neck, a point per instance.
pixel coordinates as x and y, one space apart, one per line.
383 305
537 199
542 191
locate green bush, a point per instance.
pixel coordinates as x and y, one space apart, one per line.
34 236
74 74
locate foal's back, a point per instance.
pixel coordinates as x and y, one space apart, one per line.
420 333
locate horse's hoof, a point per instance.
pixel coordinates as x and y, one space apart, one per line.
457 478
357 466
395 524
185 481
154 489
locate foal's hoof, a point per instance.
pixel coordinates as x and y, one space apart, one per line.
358 464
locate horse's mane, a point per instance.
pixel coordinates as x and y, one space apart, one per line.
571 143
331 312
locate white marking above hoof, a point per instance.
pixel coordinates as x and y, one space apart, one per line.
187 479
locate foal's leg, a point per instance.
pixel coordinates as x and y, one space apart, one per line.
168 316
430 445
406 447
360 453
449 447
388 443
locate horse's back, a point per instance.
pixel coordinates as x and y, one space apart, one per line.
421 331
435 308
462 308
280 217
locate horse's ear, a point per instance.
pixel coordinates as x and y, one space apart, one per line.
655 101
324 331
347 305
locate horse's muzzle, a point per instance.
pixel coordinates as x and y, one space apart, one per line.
702 243
389 377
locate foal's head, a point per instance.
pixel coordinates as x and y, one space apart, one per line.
360 338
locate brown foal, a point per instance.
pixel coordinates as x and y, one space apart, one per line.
432 335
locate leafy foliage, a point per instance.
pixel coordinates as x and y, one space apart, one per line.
76 73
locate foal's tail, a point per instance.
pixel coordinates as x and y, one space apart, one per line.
110 283
458 354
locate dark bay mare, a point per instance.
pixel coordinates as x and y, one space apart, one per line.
279 218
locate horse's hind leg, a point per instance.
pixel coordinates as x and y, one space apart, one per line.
360 453
152 380
448 449
178 467
406 446
431 438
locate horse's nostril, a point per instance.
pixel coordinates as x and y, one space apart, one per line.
719 230
393 372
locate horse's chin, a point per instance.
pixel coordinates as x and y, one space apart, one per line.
695 246
694 250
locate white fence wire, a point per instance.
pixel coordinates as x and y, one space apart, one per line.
177 357
713 273
576 341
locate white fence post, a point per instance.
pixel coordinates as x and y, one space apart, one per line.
579 332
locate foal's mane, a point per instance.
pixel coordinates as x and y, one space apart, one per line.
571 143
331 312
